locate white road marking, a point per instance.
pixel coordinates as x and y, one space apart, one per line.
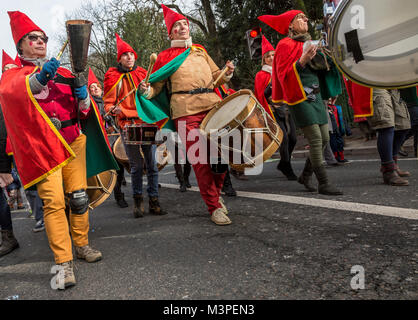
396 212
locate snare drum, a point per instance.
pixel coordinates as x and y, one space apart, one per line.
241 116
140 133
374 42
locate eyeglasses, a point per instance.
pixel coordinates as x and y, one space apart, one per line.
35 37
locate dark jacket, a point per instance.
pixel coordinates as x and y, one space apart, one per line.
5 160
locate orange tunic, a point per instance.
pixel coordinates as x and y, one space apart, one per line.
117 85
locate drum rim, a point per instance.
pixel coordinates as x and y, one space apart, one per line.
333 38
103 197
220 104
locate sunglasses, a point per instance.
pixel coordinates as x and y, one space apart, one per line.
35 37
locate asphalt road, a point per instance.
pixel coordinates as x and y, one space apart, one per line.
281 248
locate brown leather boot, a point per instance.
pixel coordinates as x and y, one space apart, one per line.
9 242
398 170
391 177
154 207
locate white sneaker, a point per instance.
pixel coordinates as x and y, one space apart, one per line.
220 218
222 203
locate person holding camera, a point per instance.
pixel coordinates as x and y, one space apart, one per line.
295 82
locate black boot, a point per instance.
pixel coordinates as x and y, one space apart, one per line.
120 196
180 177
305 177
138 206
186 174
324 186
286 169
9 242
154 207
227 187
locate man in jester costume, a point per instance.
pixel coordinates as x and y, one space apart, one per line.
120 84
43 110
188 72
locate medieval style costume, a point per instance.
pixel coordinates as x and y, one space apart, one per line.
187 72
109 126
299 87
262 91
42 108
121 82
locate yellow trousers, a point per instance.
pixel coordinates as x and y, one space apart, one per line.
51 190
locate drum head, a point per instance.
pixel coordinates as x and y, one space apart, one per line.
120 154
374 42
227 110
100 187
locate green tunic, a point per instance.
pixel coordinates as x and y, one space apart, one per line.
409 95
308 112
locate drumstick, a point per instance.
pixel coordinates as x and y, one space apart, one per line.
119 102
62 50
152 59
224 70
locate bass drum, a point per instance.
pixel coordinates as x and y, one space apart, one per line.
374 42
99 187
162 154
120 154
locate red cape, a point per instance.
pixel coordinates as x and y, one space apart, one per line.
286 84
169 54
38 147
113 76
361 99
262 79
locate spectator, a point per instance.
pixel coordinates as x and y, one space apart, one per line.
336 130
9 242
410 96
36 206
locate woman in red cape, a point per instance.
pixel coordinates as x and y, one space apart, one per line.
262 91
295 82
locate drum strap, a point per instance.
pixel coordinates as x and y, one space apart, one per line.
353 45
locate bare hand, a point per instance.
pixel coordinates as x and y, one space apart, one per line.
5 179
143 87
308 55
116 110
231 68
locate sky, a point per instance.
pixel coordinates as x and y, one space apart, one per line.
49 15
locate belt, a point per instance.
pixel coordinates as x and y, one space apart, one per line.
63 124
128 119
195 91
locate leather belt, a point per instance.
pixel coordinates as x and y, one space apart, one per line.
62 124
133 118
195 91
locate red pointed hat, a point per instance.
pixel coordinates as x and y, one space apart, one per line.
123 47
281 22
21 25
6 59
265 46
171 17
92 78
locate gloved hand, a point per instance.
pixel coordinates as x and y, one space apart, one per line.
48 71
81 92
